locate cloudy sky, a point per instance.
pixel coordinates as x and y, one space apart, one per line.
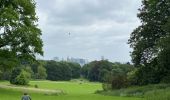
87 28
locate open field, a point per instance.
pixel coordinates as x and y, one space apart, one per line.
48 90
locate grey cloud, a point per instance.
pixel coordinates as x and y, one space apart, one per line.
97 27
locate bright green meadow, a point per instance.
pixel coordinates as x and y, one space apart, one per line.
64 91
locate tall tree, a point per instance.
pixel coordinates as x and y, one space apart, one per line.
144 39
19 32
147 40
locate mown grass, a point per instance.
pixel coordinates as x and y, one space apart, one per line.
73 90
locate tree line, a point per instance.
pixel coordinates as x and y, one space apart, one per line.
97 71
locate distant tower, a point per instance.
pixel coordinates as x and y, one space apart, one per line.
68 59
102 57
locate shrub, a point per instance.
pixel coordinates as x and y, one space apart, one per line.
106 86
23 78
119 82
166 79
36 86
20 77
15 72
132 78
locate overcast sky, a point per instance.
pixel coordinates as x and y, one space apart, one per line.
87 28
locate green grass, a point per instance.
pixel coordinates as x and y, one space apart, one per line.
148 92
73 90
161 94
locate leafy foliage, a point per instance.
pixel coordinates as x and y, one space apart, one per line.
96 70
62 70
19 76
150 42
19 35
41 73
22 78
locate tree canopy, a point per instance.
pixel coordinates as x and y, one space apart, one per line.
150 41
19 32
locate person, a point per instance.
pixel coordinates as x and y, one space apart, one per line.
26 97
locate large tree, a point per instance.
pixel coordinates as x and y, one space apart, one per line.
146 39
19 32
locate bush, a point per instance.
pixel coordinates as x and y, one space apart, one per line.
23 78
36 86
166 79
119 82
132 78
19 76
106 86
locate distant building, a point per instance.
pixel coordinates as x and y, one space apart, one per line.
56 59
80 61
77 60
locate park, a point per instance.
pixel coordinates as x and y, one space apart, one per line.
85 50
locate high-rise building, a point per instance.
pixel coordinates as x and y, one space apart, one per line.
77 60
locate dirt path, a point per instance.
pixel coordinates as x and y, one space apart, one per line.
31 89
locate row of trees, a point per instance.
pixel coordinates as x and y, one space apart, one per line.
101 71
50 70
62 70
113 75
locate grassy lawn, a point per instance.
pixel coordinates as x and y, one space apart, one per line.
73 90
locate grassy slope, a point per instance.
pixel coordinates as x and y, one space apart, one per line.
74 90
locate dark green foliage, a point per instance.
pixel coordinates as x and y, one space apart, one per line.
19 35
53 71
96 70
15 73
62 70
5 75
114 75
150 42
117 78
19 76
65 70
75 70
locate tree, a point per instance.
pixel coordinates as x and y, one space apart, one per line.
146 38
96 70
164 55
29 70
19 34
65 70
75 69
41 73
53 71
